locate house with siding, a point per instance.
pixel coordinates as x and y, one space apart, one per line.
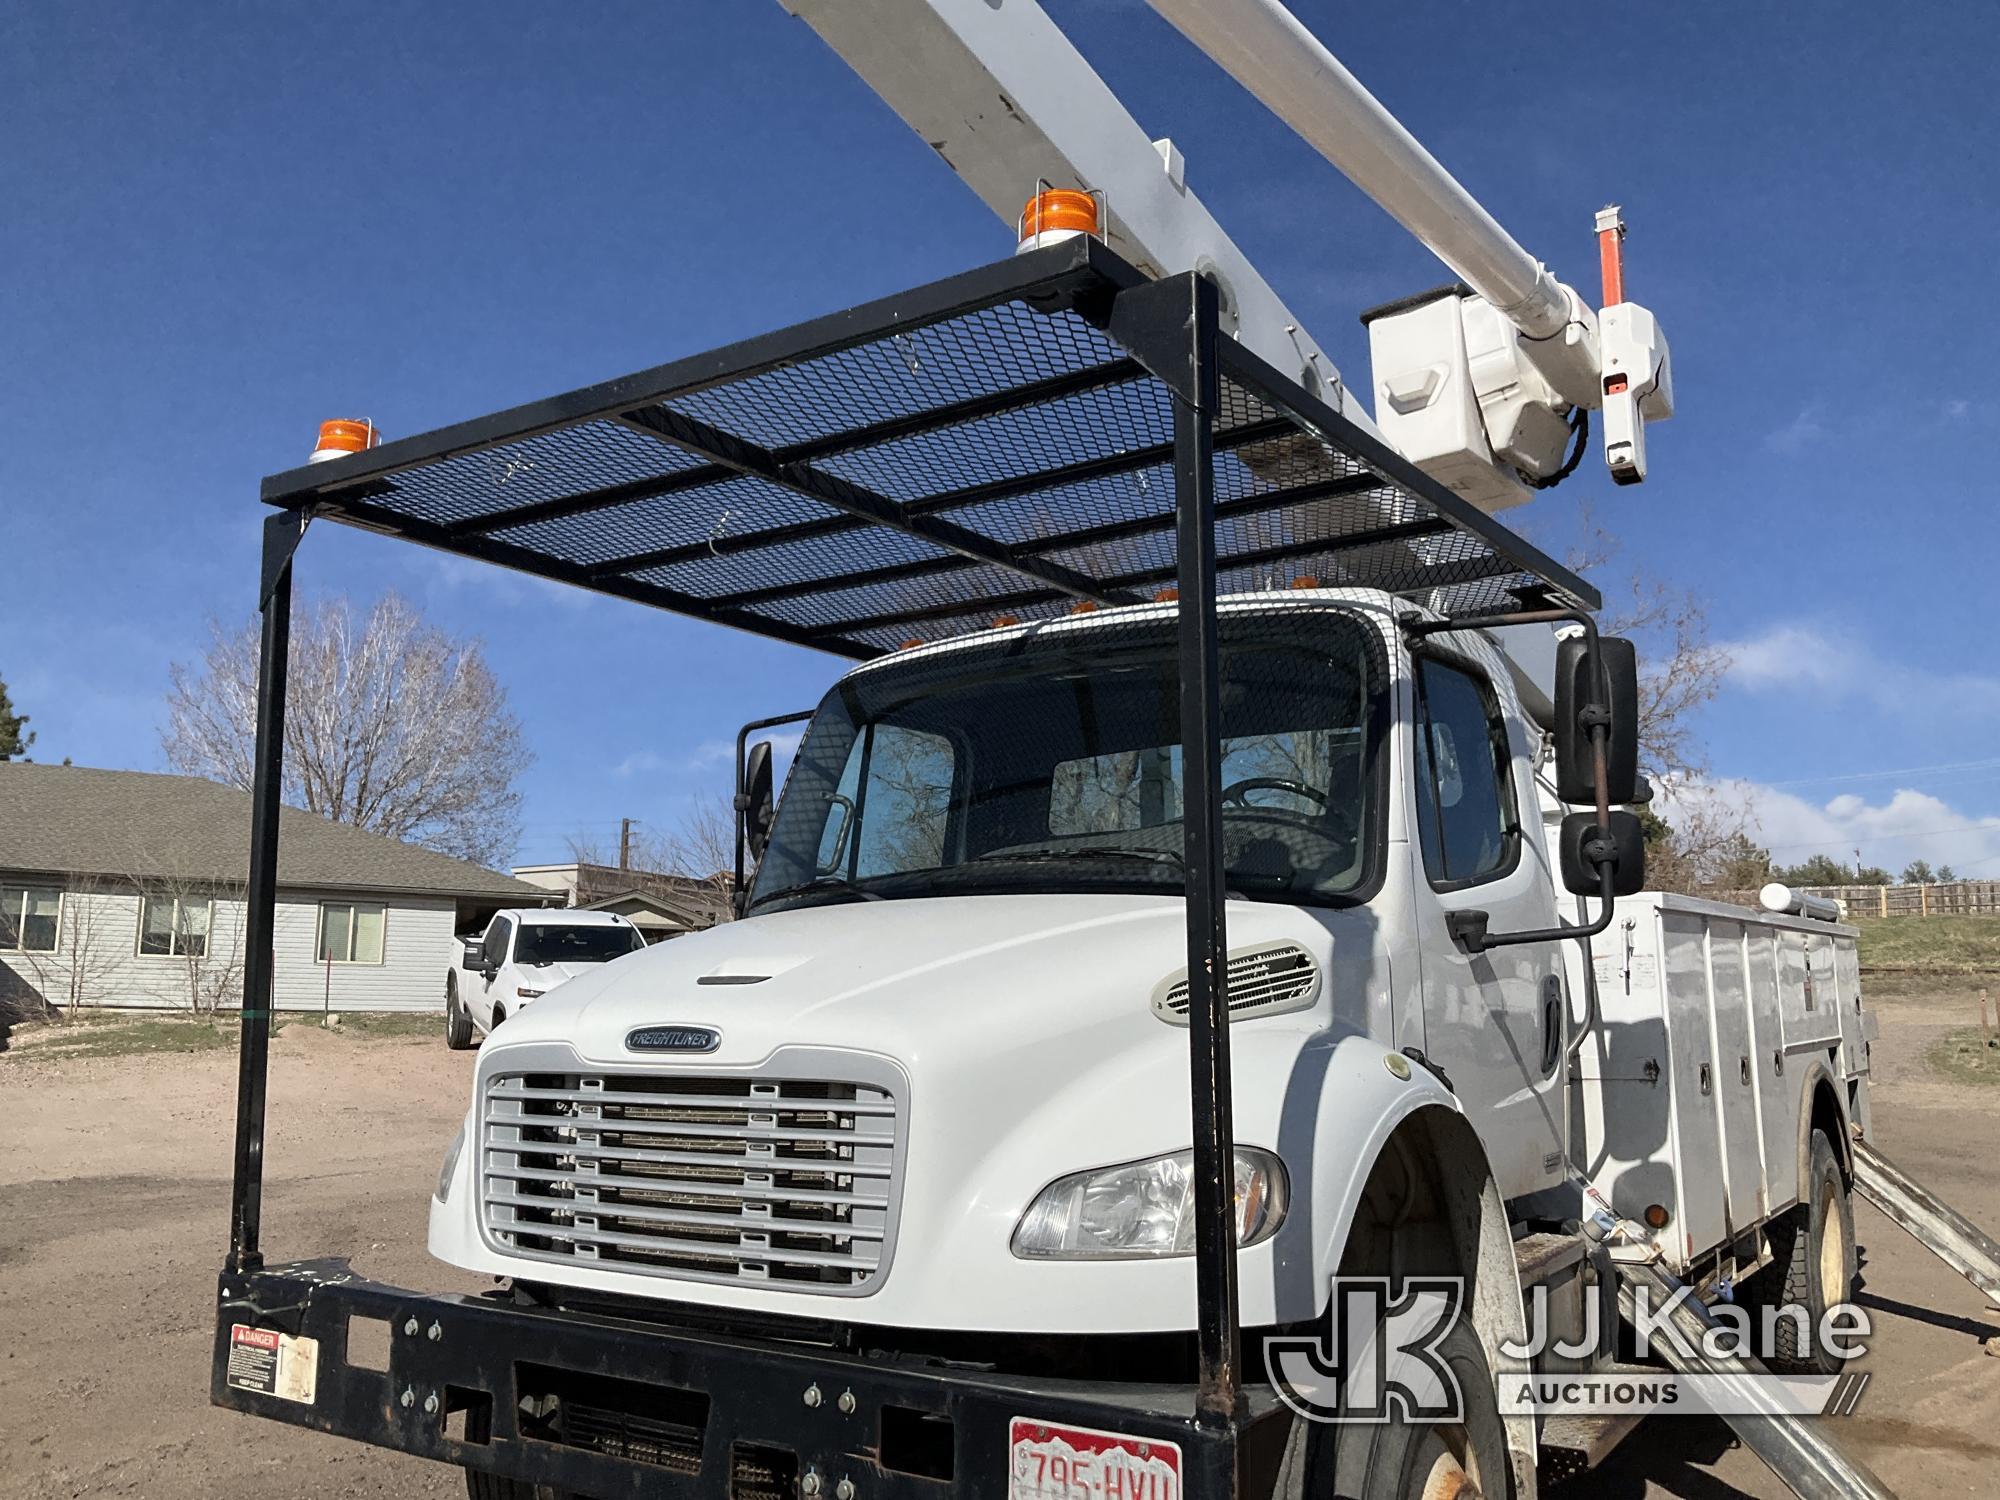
125 888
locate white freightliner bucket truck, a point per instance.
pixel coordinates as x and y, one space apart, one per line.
1201 936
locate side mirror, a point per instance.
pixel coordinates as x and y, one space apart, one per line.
1584 854
756 802
1580 705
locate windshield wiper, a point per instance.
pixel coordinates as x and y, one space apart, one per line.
822 883
1084 851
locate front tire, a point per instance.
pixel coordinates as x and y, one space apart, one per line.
457 1024
1812 1265
1404 1459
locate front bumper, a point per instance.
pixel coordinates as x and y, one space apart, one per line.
604 1406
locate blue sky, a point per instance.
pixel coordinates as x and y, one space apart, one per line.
227 222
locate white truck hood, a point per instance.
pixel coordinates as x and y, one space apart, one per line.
1023 1029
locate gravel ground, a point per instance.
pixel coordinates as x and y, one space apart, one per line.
114 1213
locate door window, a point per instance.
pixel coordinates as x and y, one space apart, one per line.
1465 797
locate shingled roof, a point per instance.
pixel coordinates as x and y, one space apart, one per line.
71 820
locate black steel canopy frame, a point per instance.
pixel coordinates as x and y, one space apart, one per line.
1052 433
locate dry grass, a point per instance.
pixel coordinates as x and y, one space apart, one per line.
115 1033
1930 945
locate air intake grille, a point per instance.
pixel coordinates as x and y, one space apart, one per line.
774 1181
1270 978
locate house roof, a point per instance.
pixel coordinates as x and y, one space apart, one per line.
689 913
71 820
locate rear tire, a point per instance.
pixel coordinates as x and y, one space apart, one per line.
1408 1460
457 1024
1812 1264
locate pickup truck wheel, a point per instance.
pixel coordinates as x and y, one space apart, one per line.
1812 1266
1405 1459
457 1024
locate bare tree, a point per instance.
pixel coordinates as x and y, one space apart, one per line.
85 951
391 725
1680 668
199 924
702 846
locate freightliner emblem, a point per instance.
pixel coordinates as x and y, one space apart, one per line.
673 1039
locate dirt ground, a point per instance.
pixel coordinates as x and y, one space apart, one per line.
114 1209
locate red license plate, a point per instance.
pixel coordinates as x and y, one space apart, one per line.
1075 1463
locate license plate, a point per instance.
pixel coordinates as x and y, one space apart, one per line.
1075 1463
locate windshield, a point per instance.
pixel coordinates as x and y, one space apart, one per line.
555 944
1057 767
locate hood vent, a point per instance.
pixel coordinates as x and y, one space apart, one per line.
1268 979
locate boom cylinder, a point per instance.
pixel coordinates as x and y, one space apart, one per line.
1264 47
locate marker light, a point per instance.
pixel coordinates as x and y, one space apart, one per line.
339 438
1056 214
1305 581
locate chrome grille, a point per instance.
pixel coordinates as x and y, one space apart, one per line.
1268 978
773 1181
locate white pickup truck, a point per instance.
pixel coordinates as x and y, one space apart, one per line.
523 954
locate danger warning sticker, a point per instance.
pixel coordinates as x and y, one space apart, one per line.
272 1363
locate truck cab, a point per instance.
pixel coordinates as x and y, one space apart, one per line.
522 955
967 927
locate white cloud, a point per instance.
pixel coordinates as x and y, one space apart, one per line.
1804 430
709 754
1957 408
1797 657
1909 825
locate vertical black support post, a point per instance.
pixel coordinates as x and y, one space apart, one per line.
1218 1338
274 599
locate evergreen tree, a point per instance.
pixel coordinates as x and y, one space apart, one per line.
14 742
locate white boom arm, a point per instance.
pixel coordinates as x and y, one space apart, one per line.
1482 386
1001 94
1479 390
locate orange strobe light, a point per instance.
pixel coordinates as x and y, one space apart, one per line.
339 438
1056 214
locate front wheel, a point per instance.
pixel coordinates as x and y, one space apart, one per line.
1405 1458
457 1024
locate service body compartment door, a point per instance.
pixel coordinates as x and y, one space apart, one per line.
1777 1084
1735 1077
1697 1127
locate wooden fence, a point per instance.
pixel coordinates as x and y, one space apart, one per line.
1962 898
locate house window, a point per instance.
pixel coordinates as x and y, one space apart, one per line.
350 932
29 917
175 926
1465 796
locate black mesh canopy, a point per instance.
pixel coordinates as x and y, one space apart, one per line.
912 469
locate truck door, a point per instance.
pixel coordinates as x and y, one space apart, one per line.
1494 1023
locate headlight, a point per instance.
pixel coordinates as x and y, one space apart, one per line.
527 994
450 1166
1145 1208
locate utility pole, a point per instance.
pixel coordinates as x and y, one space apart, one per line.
625 844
